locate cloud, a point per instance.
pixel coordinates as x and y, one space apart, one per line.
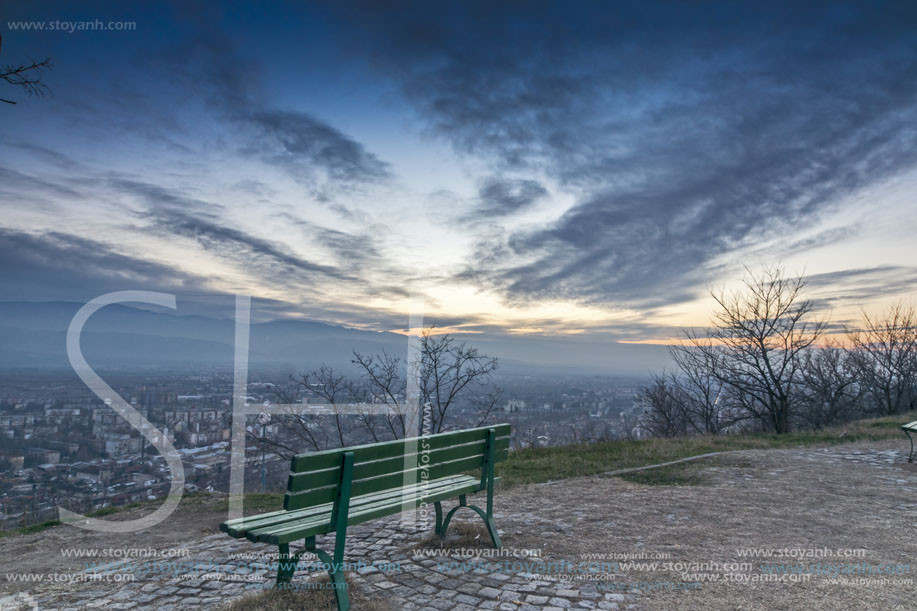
859 285
360 249
297 142
59 266
338 260
502 196
788 245
62 266
683 131
258 256
17 185
49 156
171 213
158 197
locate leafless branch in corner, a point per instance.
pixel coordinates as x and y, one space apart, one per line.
28 76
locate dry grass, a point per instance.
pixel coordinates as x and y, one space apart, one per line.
533 465
459 535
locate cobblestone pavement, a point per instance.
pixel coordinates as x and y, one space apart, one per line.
383 560
386 562
895 472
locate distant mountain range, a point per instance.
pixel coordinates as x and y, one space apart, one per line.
33 337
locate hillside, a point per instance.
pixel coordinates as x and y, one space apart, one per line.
831 517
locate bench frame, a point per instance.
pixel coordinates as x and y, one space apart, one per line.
909 428
341 507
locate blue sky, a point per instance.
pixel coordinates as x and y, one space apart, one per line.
563 169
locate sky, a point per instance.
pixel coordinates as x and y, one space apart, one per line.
528 169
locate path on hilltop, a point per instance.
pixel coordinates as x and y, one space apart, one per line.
860 496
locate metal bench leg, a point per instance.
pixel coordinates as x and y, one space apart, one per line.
340 590
443 525
487 482
282 565
335 572
488 520
910 457
335 563
286 565
438 529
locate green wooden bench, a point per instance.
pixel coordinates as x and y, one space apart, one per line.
331 490
909 428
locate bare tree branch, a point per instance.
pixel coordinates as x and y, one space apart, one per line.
28 76
885 354
753 353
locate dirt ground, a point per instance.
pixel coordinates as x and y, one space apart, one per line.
797 501
41 552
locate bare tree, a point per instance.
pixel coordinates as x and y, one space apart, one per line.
334 388
448 370
26 75
832 390
305 428
757 343
450 373
383 377
885 351
705 395
664 405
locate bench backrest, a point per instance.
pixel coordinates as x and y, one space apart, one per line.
377 467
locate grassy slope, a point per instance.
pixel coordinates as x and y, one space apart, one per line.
544 464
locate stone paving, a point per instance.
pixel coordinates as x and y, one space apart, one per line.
383 561
386 563
895 471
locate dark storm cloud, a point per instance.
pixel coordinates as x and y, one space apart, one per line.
297 142
259 255
854 286
685 129
156 196
57 265
171 213
502 196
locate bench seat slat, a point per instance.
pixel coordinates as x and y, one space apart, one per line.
239 527
228 525
319 524
302 500
388 498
